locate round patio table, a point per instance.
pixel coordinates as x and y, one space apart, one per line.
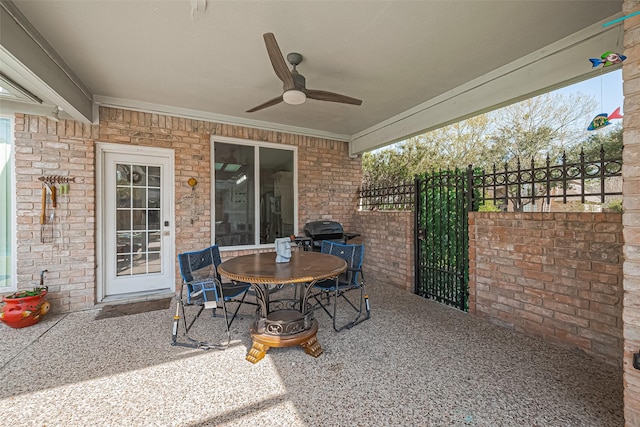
283 322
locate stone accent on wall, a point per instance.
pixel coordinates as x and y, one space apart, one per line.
328 181
556 276
631 215
389 247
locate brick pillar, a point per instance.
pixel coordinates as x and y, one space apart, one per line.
631 216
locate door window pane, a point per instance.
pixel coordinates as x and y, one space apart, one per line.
123 176
123 244
139 219
154 219
154 176
123 196
139 197
154 197
123 219
154 241
154 263
140 242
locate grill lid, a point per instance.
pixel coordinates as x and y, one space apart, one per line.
324 230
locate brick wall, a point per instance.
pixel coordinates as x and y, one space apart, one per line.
556 276
631 216
328 181
389 254
44 147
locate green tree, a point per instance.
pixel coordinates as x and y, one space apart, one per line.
454 146
538 127
609 139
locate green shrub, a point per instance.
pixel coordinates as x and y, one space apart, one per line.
488 206
614 206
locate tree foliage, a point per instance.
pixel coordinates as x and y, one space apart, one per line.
608 139
538 127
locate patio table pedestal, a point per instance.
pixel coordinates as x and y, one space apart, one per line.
283 322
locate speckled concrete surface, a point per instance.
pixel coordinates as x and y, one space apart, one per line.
414 363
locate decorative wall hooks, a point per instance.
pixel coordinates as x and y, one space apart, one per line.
55 202
51 179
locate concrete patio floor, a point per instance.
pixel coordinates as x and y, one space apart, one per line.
414 363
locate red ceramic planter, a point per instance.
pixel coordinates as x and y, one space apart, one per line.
25 311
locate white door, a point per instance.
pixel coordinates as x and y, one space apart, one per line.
136 215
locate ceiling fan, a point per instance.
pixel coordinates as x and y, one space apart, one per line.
294 84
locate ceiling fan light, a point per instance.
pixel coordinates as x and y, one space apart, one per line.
294 97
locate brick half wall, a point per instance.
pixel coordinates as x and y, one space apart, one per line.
389 254
555 276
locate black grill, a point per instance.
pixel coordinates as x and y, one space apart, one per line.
326 230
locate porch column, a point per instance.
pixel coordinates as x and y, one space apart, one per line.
631 216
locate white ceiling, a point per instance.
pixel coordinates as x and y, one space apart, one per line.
168 56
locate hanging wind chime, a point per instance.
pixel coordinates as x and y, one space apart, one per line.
607 59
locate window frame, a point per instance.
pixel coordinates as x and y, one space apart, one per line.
256 147
13 286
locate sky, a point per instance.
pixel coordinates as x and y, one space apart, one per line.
606 89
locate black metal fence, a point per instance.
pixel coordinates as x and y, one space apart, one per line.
537 188
398 197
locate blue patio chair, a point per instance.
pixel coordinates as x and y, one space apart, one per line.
205 288
331 291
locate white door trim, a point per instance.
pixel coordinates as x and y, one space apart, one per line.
103 148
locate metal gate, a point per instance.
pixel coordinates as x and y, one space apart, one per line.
442 201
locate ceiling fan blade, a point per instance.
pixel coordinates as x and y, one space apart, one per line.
269 103
278 62
323 95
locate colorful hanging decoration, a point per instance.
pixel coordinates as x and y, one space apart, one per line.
608 58
602 120
622 18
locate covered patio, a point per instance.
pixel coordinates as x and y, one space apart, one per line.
414 363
